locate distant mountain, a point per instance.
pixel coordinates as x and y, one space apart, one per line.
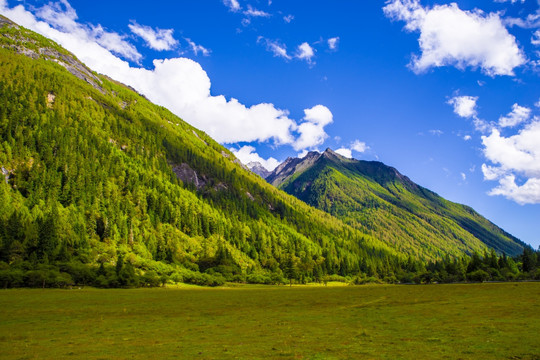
378 200
95 174
257 168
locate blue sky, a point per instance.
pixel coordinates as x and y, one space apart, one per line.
448 93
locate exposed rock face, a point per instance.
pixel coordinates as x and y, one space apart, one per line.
73 66
257 168
50 100
189 176
290 167
198 137
5 171
5 21
69 62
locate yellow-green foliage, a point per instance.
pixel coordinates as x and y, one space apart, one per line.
374 198
90 177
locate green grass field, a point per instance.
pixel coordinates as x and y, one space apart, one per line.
475 321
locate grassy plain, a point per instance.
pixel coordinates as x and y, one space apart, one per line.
472 321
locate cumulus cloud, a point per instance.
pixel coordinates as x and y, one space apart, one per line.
467 137
450 36
510 158
62 17
158 39
333 43
527 193
181 85
359 146
344 152
305 52
311 130
518 115
513 157
356 145
465 107
233 5
247 154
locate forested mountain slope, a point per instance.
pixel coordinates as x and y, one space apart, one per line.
95 174
378 200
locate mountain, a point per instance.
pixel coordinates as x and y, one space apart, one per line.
378 200
257 168
97 177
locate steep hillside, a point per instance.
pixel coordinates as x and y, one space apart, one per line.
377 199
95 173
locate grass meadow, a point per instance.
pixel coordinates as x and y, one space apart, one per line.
465 321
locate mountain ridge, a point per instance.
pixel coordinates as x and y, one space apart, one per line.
99 176
372 186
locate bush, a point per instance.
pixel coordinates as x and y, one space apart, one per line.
11 278
258 278
478 275
151 279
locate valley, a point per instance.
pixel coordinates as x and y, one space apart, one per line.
472 321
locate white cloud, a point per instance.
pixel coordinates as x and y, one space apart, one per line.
467 137
359 146
537 104
288 18
62 17
535 40
275 47
513 157
356 145
305 52
197 48
255 13
510 1
333 43
492 172
463 176
520 152
344 152
528 193
247 154
302 154
530 21
158 39
510 158
450 36
518 115
311 130
464 106
233 5
182 86
436 132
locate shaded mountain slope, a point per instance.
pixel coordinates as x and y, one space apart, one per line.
377 199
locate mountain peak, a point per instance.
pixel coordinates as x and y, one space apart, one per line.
258 168
378 197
